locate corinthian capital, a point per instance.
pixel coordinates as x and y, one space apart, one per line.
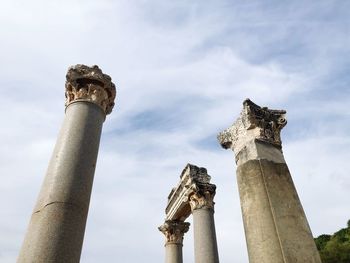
85 83
174 231
254 123
194 189
202 196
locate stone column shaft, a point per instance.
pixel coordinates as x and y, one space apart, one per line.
275 224
56 229
202 206
173 253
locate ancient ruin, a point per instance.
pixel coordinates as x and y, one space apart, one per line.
194 195
56 229
275 224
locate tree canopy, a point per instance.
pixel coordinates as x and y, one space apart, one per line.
335 248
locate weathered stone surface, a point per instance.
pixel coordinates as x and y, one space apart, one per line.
275 224
194 194
90 84
205 245
56 229
257 150
254 123
194 183
54 234
174 233
202 196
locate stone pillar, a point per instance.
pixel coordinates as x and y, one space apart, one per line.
275 224
174 233
202 206
56 229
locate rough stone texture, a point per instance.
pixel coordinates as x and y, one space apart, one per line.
90 84
254 150
205 245
56 229
174 232
202 196
254 123
195 194
192 180
275 224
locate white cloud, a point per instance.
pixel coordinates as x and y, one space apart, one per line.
193 64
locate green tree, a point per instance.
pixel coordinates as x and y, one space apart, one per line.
335 248
321 241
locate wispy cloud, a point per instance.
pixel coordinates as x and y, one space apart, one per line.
182 71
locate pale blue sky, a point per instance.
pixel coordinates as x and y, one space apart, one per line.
182 70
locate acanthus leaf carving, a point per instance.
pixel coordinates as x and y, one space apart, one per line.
202 196
174 231
254 123
193 180
90 84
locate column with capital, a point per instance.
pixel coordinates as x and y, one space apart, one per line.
56 229
275 224
174 231
202 207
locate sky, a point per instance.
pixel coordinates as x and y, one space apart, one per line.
182 70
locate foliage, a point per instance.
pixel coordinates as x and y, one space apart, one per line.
335 248
321 241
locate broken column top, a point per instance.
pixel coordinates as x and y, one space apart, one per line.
254 123
84 83
196 173
193 179
191 173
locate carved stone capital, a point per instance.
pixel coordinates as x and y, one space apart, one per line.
90 84
254 123
174 231
202 196
193 180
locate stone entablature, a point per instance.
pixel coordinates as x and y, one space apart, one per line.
174 231
192 192
90 84
254 123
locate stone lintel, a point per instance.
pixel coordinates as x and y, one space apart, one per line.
174 231
90 84
193 180
255 123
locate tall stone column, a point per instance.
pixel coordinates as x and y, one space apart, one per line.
275 224
56 229
202 206
174 233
